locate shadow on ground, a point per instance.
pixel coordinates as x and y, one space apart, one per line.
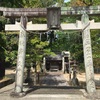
54 90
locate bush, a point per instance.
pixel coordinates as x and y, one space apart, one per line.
2 70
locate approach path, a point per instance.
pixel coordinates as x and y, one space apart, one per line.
54 79
59 90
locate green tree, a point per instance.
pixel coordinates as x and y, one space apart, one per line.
95 47
11 3
36 49
2 56
11 49
2 46
69 41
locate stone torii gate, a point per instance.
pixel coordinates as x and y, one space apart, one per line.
85 25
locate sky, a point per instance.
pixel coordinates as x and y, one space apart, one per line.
66 1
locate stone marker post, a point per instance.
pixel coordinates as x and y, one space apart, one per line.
21 56
44 64
63 64
69 68
88 54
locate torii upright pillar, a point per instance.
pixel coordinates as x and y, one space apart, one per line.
21 56
88 54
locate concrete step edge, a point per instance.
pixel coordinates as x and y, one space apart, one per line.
54 96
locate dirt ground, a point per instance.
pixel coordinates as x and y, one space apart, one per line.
81 77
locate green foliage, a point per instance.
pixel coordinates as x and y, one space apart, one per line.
29 3
2 22
11 49
11 3
39 3
95 47
69 41
2 46
84 2
36 49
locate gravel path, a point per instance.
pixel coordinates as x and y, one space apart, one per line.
54 79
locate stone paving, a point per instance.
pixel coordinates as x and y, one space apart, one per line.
59 90
54 79
38 93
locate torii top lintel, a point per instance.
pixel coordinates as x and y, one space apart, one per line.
42 12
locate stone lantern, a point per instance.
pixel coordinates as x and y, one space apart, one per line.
74 79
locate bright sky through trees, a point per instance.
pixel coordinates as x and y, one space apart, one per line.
66 1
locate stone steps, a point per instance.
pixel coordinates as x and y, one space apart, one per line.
55 97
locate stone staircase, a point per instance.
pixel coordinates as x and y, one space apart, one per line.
54 68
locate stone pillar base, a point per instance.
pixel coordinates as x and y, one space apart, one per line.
17 95
92 96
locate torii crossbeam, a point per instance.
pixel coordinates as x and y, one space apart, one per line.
42 12
43 27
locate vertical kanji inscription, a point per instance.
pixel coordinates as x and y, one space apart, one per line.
21 56
88 55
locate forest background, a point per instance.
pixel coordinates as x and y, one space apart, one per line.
60 41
